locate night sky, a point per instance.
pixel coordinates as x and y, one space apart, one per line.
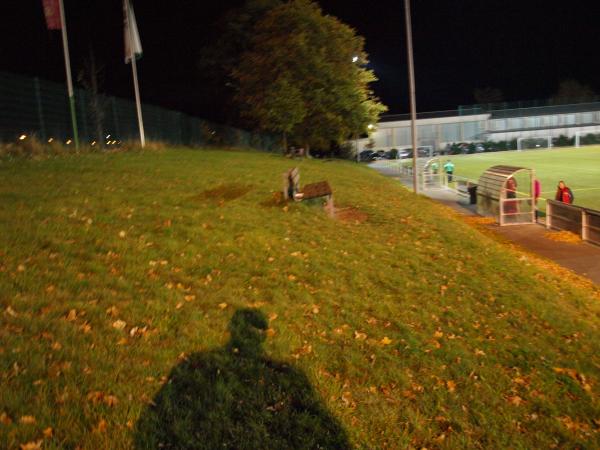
523 47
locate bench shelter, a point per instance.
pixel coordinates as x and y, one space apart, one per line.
508 194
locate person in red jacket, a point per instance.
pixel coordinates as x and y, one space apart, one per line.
564 193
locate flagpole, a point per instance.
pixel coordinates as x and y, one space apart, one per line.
136 88
68 70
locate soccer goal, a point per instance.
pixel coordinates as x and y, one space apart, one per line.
532 143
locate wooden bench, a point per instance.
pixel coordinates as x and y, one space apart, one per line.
292 191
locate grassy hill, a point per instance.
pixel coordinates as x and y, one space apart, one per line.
133 288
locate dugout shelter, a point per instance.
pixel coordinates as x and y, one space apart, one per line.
507 193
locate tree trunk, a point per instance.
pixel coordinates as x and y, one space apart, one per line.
307 150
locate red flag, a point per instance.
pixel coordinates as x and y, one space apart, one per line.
52 13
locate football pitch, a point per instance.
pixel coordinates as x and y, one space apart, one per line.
578 167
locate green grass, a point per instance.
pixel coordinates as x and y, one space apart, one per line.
408 329
578 167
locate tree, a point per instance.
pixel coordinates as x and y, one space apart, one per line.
305 73
572 91
231 37
488 95
91 76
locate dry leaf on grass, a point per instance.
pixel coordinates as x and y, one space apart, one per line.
27 420
119 324
33 445
5 419
515 400
101 426
360 336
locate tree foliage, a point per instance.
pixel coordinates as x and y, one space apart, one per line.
298 76
573 91
487 95
230 38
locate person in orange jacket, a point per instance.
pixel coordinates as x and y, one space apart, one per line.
564 193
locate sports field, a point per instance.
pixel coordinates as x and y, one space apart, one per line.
578 167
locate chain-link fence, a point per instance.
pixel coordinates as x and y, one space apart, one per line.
38 107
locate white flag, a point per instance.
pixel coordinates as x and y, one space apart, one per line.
132 37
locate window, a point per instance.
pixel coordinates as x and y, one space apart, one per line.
451 132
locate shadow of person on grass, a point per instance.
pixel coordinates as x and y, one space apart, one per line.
236 398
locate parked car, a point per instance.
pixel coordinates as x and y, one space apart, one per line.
366 155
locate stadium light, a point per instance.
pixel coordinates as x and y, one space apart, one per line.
355 59
69 141
22 137
50 140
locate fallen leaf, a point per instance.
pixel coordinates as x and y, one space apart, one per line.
270 332
72 315
479 352
119 324
5 419
111 400
515 400
222 305
189 298
48 432
360 336
272 317
37 445
438 334
122 234
95 397
450 385
20 268
386 341
27 419
101 427
11 312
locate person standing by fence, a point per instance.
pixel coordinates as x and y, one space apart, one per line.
537 191
449 169
564 193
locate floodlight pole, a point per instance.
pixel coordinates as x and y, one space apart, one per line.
65 42
413 102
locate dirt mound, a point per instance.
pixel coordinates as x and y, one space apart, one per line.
226 192
351 215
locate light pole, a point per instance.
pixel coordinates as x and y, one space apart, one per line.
413 102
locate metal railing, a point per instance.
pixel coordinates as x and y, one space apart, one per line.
584 222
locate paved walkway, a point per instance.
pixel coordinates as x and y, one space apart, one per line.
582 258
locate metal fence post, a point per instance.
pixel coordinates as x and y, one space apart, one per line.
548 215
40 111
584 225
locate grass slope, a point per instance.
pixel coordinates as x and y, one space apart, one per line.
405 330
579 167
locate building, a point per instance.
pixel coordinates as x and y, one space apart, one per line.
487 123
